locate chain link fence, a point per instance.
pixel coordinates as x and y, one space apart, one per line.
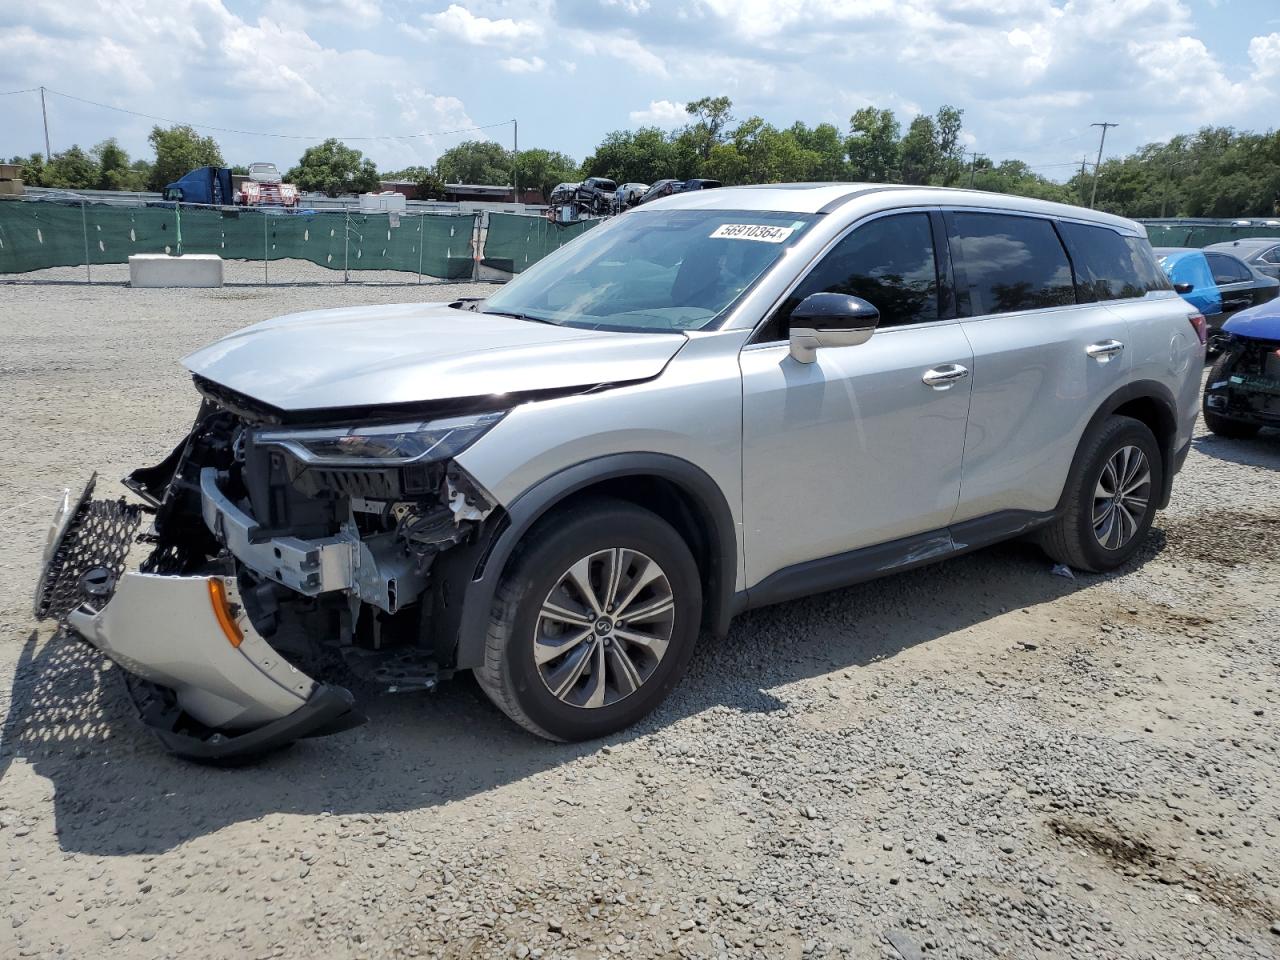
78 239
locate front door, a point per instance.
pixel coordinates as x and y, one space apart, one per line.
856 448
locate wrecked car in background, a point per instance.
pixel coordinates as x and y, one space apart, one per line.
517 486
1242 394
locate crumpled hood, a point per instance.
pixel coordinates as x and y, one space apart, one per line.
1261 322
411 352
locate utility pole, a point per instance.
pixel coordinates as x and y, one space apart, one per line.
45 113
1084 163
515 160
973 169
1097 167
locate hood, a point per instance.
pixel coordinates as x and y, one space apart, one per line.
1261 322
412 352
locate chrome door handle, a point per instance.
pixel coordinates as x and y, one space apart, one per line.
941 378
1104 351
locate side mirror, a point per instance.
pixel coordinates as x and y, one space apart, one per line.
830 320
1183 288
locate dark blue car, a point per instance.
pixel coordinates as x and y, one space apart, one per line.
1243 392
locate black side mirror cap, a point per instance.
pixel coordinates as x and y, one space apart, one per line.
834 311
1183 288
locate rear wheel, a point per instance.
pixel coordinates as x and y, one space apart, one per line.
1111 494
594 621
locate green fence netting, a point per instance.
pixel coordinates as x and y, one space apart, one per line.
1193 235
514 242
36 235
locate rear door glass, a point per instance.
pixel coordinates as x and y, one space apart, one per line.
1007 263
1108 266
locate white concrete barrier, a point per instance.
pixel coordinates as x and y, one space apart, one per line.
162 270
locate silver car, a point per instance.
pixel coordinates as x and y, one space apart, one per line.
1260 253
726 399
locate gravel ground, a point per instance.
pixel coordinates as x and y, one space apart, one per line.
979 759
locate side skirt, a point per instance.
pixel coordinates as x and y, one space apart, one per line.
882 559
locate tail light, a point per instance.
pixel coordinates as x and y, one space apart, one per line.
1201 326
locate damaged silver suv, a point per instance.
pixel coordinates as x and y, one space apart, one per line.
724 399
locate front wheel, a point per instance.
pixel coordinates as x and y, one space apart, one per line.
594 621
1110 498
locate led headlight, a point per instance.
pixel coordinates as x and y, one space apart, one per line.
382 445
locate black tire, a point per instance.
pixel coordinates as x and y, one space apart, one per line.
510 676
1071 539
1232 429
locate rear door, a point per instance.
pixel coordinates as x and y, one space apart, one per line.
1237 284
1041 361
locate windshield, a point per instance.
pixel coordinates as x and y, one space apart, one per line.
658 270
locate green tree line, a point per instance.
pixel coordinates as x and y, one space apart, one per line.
1216 172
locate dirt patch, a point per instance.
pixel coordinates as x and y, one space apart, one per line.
1228 538
1137 857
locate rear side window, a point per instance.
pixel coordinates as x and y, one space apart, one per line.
1227 269
1008 263
1144 260
1270 256
888 262
1108 266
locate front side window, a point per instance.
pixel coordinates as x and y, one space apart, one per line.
888 262
1108 266
1009 263
652 270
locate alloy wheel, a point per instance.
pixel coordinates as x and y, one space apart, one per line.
1121 497
604 628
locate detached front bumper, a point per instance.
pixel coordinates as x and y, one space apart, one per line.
214 688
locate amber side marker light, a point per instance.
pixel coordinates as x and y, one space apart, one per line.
222 612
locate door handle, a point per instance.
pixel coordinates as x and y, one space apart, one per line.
1104 351
942 378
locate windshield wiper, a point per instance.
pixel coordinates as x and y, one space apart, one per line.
519 316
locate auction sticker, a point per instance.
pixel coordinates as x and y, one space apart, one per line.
763 232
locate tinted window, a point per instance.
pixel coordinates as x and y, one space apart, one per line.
1144 260
1107 266
888 262
1227 269
1009 263
1270 256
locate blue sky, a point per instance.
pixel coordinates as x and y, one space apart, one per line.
1031 75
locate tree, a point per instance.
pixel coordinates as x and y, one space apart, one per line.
427 186
475 161
711 119
919 151
71 169
334 168
639 156
824 142
179 150
115 172
873 145
542 169
32 173
947 124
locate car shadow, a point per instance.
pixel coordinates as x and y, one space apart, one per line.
1260 451
116 791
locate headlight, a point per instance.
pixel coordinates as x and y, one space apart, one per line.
382 445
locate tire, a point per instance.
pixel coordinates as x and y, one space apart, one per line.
1072 538
603 535
1232 429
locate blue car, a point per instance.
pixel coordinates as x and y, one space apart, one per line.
1243 392
1217 284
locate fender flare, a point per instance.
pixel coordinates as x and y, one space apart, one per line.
1151 390
469 578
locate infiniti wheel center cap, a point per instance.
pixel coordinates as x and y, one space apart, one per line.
604 626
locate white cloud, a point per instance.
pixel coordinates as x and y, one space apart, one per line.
660 113
523 64
626 49
460 23
1265 54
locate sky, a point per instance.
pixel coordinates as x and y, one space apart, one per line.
399 79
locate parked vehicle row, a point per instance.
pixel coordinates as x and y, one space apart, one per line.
882 377
600 196
1216 283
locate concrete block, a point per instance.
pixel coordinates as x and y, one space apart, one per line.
11 188
162 270
10 171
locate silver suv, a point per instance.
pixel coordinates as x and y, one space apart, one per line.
725 399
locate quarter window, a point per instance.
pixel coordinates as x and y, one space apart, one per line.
1108 266
1009 263
1270 256
1227 269
888 262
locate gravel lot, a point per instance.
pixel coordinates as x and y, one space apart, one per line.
979 759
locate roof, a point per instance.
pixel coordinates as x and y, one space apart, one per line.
828 197
1245 243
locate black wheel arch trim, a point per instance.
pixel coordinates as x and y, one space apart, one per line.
467 579
1165 438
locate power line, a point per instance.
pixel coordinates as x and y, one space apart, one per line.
10 93
259 133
